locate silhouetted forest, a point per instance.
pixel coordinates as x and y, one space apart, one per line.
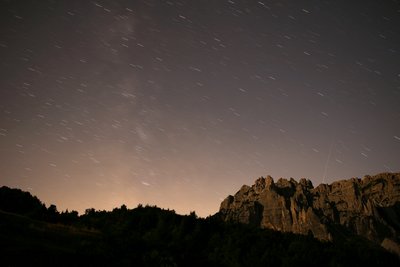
32 234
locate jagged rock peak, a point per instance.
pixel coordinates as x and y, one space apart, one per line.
369 207
263 184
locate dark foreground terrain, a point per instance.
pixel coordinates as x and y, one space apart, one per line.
33 235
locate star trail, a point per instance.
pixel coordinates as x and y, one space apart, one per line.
179 103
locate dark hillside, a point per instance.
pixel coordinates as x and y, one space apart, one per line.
150 236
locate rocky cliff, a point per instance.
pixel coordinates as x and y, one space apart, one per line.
369 207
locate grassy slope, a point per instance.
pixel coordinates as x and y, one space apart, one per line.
26 241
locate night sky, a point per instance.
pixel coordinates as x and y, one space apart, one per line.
179 103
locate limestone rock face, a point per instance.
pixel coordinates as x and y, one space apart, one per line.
369 207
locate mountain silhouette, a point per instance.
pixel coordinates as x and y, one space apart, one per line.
32 234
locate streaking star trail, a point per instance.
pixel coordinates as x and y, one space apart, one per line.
179 103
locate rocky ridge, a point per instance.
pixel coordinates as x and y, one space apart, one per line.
369 207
